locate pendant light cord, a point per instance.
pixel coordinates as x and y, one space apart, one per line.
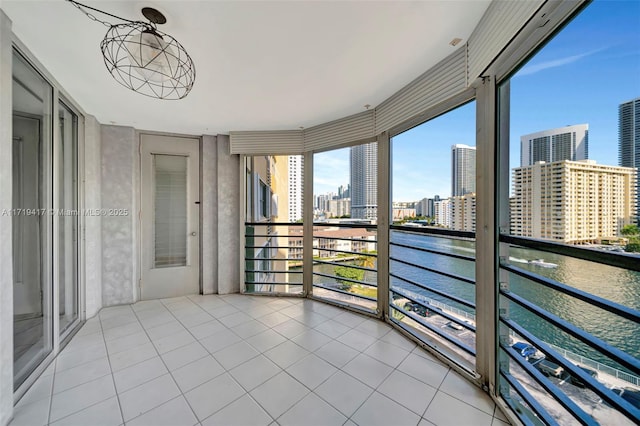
81 7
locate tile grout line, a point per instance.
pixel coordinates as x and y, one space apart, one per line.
113 379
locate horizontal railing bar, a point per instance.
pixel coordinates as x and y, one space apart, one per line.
439 311
357 240
272 236
273 247
442 253
531 401
271 271
437 331
625 407
562 398
345 279
344 225
435 291
273 294
345 292
434 231
618 260
594 300
273 224
359 253
612 352
362 268
435 271
271 283
275 259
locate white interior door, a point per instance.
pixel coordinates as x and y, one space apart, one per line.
170 216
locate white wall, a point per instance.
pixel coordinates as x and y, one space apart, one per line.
93 224
119 175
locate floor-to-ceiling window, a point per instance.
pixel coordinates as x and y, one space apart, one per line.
273 224
432 238
569 298
345 212
32 218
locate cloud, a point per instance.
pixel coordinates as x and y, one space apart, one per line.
555 63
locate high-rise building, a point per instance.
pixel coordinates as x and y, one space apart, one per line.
629 140
296 173
572 201
463 213
463 169
564 143
364 181
442 212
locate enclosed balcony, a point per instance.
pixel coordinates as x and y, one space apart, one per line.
319 213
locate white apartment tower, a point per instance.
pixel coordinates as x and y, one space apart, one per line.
564 143
296 173
442 212
573 202
463 170
364 181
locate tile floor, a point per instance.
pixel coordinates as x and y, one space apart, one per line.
242 360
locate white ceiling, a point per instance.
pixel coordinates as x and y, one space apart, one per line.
260 65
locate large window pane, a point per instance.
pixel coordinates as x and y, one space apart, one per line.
273 224
32 221
569 309
345 226
432 269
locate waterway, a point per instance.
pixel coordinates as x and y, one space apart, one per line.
618 285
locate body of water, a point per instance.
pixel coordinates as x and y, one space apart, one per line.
618 285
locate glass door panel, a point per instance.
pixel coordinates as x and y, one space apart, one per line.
170 210
32 223
68 218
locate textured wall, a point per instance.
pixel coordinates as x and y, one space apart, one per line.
228 218
119 242
6 264
93 224
209 229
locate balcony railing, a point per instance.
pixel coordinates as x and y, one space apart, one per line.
432 289
273 258
578 310
345 264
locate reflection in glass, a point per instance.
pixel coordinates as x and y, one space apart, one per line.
68 218
32 136
170 210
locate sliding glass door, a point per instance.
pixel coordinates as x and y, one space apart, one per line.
45 219
67 209
32 223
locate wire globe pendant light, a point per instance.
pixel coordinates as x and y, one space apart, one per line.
145 59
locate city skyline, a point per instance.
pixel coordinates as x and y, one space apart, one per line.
540 99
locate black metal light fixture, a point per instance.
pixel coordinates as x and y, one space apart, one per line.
143 58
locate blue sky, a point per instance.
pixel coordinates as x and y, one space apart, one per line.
581 76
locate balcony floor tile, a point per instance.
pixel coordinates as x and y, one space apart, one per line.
247 360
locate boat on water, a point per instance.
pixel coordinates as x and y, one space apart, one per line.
542 263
